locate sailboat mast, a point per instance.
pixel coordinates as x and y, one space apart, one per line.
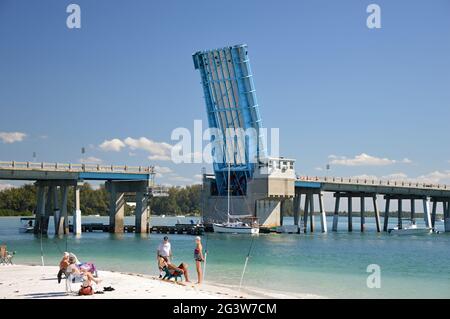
228 194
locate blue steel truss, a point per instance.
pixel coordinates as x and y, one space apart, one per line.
231 102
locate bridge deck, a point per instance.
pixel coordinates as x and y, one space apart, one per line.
58 171
333 184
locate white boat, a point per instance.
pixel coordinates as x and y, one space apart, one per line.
234 225
27 225
410 230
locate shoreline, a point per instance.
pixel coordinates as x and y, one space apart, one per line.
39 282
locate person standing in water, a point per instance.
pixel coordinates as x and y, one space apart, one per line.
198 257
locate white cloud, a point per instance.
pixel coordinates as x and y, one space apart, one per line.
12 137
396 177
181 179
5 186
114 145
162 170
159 149
436 177
159 158
364 159
91 160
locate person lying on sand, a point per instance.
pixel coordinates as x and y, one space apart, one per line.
181 269
87 277
63 264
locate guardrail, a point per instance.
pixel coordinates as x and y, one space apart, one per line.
64 167
374 182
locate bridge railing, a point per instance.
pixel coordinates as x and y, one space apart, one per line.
375 182
68 167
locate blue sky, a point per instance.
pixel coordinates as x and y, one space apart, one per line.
372 102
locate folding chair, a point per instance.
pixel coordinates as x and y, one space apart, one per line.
6 256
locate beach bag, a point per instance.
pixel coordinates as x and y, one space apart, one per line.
86 291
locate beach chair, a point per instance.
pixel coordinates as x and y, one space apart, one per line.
72 279
6 256
168 275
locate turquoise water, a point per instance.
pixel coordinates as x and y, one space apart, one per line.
330 265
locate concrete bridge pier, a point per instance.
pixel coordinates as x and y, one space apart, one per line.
297 201
62 227
386 214
447 217
117 190
336 211
323 215
400 212
40 209
141 213
77 212
426 212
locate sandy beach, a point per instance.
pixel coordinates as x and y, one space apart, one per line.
38 282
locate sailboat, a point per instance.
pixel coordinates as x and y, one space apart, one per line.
234 225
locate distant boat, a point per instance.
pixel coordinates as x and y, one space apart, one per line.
234 225
410 230
27 225
180 216
163 216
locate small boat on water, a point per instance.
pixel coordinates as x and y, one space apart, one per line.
234 223
410 230
27 225
237 226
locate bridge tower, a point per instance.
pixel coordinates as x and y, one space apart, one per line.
237 141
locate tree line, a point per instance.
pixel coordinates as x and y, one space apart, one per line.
21 201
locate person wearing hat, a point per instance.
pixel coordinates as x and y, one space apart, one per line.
164 251
198 257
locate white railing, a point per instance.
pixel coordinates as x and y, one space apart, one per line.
64 167
374 182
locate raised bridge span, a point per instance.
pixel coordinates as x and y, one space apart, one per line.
53 181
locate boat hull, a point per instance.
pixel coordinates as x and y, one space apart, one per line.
26 229
415 231
218 228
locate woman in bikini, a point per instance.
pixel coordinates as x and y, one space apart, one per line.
198 257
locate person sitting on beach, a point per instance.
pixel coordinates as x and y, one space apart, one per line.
85 275
182 269
63 264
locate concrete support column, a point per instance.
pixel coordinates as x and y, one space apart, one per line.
377 213
399 218
282 208
311 213
116 210
297 200
77 212
48 209
386 215
447 218
413 211
56 208
363 209
336 212
433 213
350 211
323 215
426 212
141 213
305 213
40 209
62 223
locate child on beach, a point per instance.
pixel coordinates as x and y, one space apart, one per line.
198 257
